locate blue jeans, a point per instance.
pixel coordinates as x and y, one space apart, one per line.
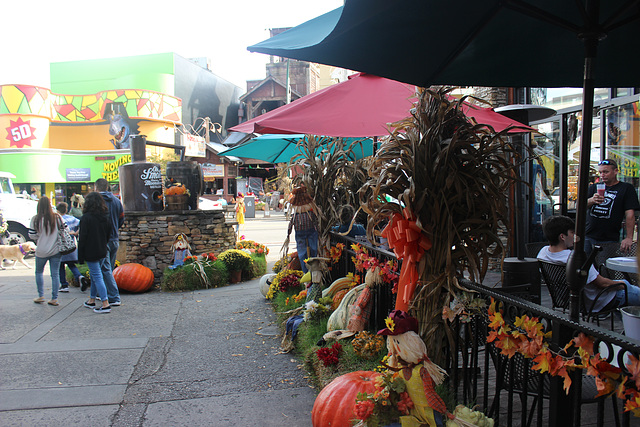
97 282
63 273
304 238
54 269
106 264
633 296
589 243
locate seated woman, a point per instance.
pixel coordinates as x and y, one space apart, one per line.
346 215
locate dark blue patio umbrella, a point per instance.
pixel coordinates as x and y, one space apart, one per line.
536 43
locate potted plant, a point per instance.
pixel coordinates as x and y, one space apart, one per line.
236 261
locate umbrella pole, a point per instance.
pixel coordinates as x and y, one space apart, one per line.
577 269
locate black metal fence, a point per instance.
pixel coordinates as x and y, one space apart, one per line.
508 389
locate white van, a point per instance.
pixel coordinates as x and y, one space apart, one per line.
16 210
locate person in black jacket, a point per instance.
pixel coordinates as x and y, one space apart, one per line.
95 229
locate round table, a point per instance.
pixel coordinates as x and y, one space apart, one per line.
625 264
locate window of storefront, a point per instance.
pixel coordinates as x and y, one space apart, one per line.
231 186
623 140
565 97
615 134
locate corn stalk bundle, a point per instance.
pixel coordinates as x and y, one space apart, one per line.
454 176
327 167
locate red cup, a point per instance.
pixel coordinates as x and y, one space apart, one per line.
601 188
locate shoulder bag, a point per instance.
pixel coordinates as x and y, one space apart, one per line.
66 243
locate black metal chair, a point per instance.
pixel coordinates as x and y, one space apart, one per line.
612 250
516 375
555 276
533 248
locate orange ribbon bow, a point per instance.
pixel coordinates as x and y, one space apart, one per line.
408 243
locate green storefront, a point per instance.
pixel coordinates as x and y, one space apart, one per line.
60 173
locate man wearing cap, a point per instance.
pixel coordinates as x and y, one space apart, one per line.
605 214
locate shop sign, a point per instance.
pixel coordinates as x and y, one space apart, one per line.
110 169
211 172
194 145
152 177
20 133
78 174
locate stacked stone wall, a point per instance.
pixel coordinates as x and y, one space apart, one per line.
146 237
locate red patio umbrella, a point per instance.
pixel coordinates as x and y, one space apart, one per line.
359 107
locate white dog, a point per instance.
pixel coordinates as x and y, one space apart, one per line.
16 253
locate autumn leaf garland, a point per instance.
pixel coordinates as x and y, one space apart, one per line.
527 337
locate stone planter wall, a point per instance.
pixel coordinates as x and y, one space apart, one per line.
146 237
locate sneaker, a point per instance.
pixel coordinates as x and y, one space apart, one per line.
64 288
89 304
106 309
84 283
38 300
53 302
115 303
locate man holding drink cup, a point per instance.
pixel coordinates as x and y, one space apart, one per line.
609 203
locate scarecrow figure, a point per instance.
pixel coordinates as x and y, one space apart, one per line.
304 222
181 249
408 358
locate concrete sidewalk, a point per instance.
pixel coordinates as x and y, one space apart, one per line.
208 357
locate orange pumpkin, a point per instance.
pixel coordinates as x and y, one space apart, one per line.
133 277
334 405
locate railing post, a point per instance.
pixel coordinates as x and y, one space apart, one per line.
562 405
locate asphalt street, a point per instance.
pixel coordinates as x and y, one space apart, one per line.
204 358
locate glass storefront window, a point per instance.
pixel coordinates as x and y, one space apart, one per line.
546 145
559 98
623 140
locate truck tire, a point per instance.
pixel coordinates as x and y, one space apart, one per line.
18 234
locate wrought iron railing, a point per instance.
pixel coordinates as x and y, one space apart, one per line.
508 389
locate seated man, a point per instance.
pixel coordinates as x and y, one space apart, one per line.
346 215
559 231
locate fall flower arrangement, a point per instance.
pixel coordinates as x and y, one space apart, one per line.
367 345
299 297
291 278
386 404
258 248
316 310
278 266
236 259
329 356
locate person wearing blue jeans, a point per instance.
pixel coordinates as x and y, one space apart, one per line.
54 268
98 287
116 218
306 238
106 266
305 223
44 230
70 259
95 229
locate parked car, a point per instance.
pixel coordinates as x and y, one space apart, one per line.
16 210
209 205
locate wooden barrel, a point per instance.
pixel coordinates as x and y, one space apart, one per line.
176 202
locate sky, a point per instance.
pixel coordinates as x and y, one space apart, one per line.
37 32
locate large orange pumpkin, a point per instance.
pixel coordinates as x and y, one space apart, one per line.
133 277
334 405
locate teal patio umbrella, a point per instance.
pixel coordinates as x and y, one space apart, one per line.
273 148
